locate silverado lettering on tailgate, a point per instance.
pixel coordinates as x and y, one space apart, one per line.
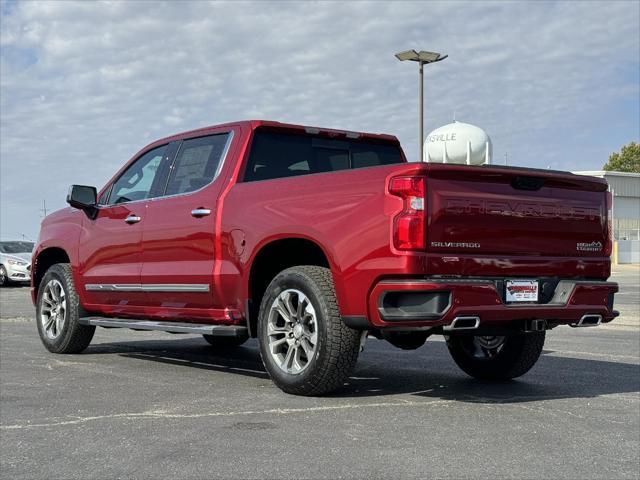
455 244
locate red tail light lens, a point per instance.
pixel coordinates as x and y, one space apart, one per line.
409 224
608 246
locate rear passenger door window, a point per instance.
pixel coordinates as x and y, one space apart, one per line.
197 163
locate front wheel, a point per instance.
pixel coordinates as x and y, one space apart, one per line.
58 312
496 357
305 346
4 278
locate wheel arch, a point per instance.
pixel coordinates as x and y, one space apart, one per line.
274 256
47 257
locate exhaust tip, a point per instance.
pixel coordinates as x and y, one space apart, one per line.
588 320
463 323
538 325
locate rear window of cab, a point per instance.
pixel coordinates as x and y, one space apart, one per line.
278 155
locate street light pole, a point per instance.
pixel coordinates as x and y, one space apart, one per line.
421 111
423 58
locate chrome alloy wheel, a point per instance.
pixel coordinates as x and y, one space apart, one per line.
292 331
53 309
485 347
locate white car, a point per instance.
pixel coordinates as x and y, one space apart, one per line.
15 262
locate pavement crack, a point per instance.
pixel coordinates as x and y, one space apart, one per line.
154 414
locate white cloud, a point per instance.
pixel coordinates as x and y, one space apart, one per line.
85 85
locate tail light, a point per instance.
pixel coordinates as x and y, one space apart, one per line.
409 224
608 246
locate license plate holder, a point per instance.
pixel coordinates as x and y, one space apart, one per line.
521 291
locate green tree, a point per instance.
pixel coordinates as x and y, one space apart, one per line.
628 160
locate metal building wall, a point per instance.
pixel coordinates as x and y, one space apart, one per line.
626 202
626 186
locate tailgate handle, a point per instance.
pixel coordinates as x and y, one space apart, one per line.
527 183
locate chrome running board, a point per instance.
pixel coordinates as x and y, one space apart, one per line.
171 327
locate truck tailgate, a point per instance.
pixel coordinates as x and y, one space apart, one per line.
503 211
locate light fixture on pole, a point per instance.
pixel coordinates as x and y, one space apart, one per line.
422 58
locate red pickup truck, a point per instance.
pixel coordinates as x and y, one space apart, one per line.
310 239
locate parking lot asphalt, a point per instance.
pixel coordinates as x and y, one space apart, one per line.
154 405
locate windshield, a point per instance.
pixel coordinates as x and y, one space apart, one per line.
16 247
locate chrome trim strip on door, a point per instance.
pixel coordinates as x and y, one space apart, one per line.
175 287
98 287
148 287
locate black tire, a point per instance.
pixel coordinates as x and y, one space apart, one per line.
225 342
517 355
72 336
4 279
337 346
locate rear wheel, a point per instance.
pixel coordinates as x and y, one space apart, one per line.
58 312
226 342
305 346
496 357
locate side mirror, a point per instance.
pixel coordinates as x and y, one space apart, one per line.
84 198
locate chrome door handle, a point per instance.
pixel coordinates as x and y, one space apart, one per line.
200 212
132 219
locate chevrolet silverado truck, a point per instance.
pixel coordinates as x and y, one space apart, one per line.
310 239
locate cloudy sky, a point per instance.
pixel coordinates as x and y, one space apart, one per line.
85 85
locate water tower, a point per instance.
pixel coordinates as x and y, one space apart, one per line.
458 142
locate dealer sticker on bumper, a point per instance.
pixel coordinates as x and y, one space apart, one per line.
522 291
